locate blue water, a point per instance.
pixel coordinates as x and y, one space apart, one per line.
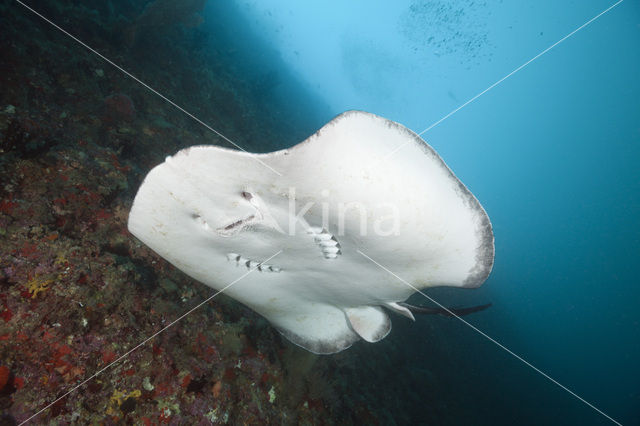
552 153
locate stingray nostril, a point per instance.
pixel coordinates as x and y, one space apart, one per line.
246 195
200 221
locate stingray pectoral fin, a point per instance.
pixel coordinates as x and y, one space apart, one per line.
448 312
370 322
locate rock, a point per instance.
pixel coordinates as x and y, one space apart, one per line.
118 108
168 285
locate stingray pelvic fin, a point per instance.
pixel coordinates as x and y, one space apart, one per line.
370 322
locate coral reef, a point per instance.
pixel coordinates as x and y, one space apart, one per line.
77 292
118 107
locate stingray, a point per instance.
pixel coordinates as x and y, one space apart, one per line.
218 214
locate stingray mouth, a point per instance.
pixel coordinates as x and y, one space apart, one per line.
239 224
227 230
235 227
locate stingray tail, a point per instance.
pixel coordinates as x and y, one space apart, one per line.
447 312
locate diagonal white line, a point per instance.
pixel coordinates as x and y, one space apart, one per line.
172 323
520 67
500 345
101 56
399 147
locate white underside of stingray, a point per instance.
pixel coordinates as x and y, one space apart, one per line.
216 213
